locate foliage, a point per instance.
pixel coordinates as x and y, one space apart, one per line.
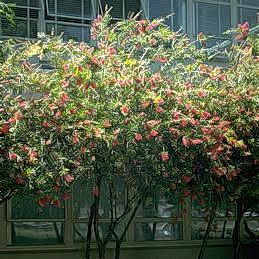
143 105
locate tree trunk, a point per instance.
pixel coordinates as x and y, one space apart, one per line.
206 237
89 232
117 250
236 231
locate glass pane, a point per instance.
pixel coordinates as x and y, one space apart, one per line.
19 29
253 226
253 212
159 206
220 229
29 209
157 231
70 8
19 2
70 32
80 231
87 34
250 2
247 15
83 199
179 17
158 9
20 12
33 29
35 3
199 211
207 18
117 7
36 233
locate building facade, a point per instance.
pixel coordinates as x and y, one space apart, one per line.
28 231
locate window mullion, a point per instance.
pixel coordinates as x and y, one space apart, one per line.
234 13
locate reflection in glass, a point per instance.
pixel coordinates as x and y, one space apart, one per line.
220 229
27 208
253 226
83 199
148 231
80 231
158 206
34 233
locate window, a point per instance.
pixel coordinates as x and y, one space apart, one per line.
29 224
213 19
222 227
121 9
158 219
70 18
247 10
177 21
82 201
27 19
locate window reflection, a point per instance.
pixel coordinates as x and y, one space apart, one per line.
37 233
148 231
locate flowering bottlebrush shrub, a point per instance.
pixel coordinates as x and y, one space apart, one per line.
141 103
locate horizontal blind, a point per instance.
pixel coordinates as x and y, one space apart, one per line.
117 7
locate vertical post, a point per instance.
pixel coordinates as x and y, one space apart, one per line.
2 225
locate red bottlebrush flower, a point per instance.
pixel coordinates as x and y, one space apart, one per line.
176 115
106 124
168 93
196 141
5 128
25 149
184 123
205 115
75 138
153 133
125 110
12 156
112 51
66 67
18 116
45 124
219 171
152 123
162 59
64 98
83 150
174 131
194 111
159 109
186 193
22 104
206 131
33 156
43 201
164 156
138 137
57 203
66 196
187 178
94 85
19 180
58 114
57 188
185 141
69 178
201 94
